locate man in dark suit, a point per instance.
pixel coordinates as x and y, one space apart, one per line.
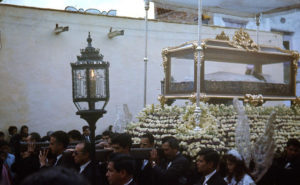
59 141
28 163
86 133
171 170
120 169
285 169
120 144
144 169
207 162
88 169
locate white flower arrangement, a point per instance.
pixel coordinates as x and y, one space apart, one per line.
217 122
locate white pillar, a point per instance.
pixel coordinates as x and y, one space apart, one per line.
199 60
199 48
146 49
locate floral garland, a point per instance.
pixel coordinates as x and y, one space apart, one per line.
217 123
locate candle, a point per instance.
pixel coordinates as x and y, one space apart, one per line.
92 84
78 88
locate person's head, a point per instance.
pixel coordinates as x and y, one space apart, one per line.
4 148
86 130
98 137
24 130
12 130
106 135
45 139
120 169
82 153
235 165
59 141
49 133
170 147
207 161
74 136
2 136
292 149
147 141
121 143
55 176
33 137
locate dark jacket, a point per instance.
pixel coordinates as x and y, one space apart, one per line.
25 167
87 173
175 174
216 179
282 172
144 175
67 161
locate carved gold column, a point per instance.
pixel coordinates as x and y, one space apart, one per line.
202 67
294 69
195 65
166 66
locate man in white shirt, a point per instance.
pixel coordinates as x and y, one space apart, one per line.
207 162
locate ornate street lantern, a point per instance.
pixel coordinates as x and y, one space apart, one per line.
90 81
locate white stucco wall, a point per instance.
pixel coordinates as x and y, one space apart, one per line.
35 67
292 24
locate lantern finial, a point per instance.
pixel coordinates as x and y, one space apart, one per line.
89 40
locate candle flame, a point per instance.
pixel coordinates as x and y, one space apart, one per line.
92 73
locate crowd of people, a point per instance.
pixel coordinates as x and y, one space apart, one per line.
62 158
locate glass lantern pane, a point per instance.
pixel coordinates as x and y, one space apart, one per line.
97 83
80 89
82 105
99 104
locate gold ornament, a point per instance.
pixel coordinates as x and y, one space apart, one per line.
162 99
242 40
254 100
222 36
202 97
296 101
